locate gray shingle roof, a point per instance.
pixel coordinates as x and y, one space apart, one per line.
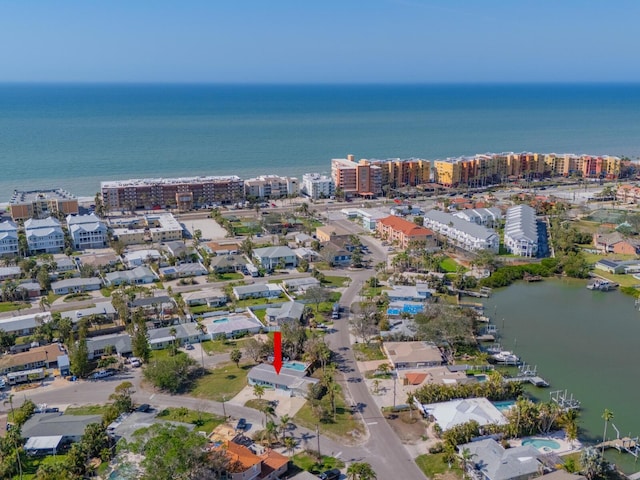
51 424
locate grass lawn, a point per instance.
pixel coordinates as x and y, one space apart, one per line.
335 281
310 463
433 465
204 422
163 353
344 425
212 347
370 292
86 410
10 306
222 383
449 265
623 280
223 277
364 352
260 314
76 297
106 291
256 403
32 463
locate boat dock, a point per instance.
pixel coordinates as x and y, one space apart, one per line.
565 401
622 444
528 374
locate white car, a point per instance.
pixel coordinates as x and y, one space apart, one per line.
135 362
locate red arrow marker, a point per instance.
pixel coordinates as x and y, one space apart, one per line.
277 351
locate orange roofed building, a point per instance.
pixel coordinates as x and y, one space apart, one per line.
246 465
395 229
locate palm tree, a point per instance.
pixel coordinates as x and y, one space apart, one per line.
202 329
258 391
465 458
9 400
271 432
290 444
361 471
607 415
174 333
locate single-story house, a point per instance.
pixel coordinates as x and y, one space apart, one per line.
227 263
287 312
178 249
7 273
491 461
99 259
102 309
212 297
303 239
410 293
37 357
306 253
33 289
64 263
119 343
138 276
258 290
24 324
160 338
183 270
75 285
44 432
301 284
616 243
412 354
456 412
140 257
290 381
232 325
273 257
229 248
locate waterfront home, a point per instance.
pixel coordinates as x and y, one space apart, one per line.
37 357
160 338
258 290
616 243
400 231
118 343
8 239
521 231
44 433
610 266
87 231
287 312
24 324
211 297
491 461
275 257
291 381
76 285
403 355
138 276
182 270
300 285
44 236
140 257
457 412
466 235
410 293
231 326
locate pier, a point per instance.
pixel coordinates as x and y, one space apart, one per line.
528 374
622 444
565 401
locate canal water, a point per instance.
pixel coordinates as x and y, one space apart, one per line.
582 341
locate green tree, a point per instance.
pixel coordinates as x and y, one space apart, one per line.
607 416
122 397
140 342
317 295
258 391
361 471
79 356
236 356
94 439
171 374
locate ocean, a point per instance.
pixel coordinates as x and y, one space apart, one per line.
74 136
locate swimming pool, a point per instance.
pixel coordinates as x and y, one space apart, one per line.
299 366
543 444
221 320
504 405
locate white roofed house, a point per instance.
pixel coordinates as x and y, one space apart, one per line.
212 297
8 238
24 324
104 310
87 231
182 270
259 290
76 285
44 236
273 257
491 461
301 284
138 276
185 333
7 273
140 257
521 231
466 235
232 325
488 217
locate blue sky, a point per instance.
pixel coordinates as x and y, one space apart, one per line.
328 41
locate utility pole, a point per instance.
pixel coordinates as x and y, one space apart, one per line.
395 376
318 437
224 411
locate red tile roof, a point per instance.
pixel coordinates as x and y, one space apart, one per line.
410 229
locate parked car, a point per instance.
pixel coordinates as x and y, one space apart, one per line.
333 474
241 425
101 374
145 407
135 362
189 346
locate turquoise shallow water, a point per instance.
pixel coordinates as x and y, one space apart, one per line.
74 136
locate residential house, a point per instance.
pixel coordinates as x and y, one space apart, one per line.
403 355
178 249
419 292
488 217
457 412
300 285
336 255
275 257
37 357
290 381
31 289
227 263
303 239
46 432
44 236
87 231
273 466
521 231
232 326
305 253
9 273
222 248
140 257
138 276
211 297
398 230
117 343
160 338
327 233
182 270
154 306
258 290
246 465
491 461
76 285
610 266
102 310
8 239
616 243
24 324
466 235
290 312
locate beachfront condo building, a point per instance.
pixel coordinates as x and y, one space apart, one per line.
317 186
403 172
356 179
176 193
41 204
271 186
